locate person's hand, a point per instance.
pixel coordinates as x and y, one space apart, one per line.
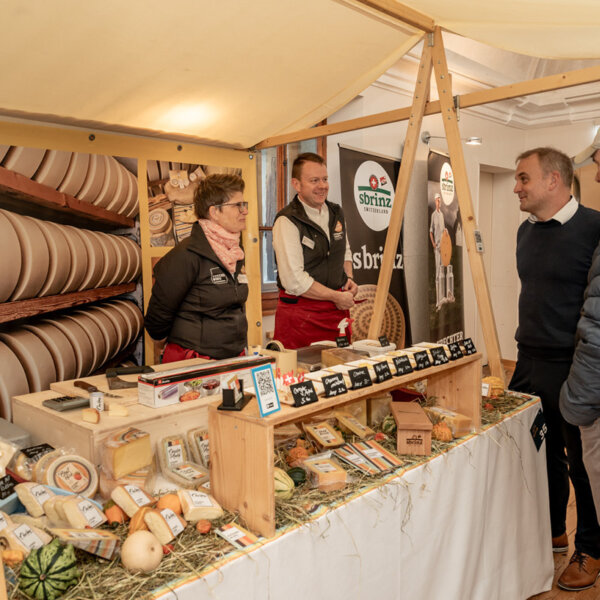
344 300
351 286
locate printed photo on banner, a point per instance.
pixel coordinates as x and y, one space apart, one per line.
446 317
367 188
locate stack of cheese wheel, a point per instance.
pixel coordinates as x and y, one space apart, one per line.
40 258
94 178
64 346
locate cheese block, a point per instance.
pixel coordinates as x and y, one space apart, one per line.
164 524
5 520
51 510
59 508
42 522
175 464
325 474
198 444
127 451
117 410
198 505
90 415
131 498
41 466
23 537
100 543
24 462
74 474
459 424
324 434
138 478
32 496
349 422
82 513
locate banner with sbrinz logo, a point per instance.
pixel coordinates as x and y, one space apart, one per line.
446 316
367 189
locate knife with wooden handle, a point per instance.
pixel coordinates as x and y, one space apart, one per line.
88 387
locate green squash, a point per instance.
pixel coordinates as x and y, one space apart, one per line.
389 425
297 475
48 572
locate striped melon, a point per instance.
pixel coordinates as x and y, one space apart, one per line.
48 572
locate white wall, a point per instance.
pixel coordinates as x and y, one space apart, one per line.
500 213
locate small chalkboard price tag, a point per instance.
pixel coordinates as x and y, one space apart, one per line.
303 393
7 486
469 346
439 356
383 341
334 385
360 378
422 360
539 429
342 341
382 371
455 351
402 364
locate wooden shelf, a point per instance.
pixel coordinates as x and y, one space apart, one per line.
22 309
241 443
25 196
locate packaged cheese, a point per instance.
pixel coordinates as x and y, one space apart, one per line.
5 520
24 461
25 538
459 424
130 498
42 522
138 478
175 464
348 422
164 524
7 451
82 513
324 434
325 474
72 473
127 451
51 510
41 466
385 461
32 496
198 505
97 542
198 444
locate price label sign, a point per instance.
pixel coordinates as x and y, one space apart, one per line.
7 486
469 346
539 429
360 378
383 340
455 351
402 364
422 360
342 341
334 385
303 393
439 356
382 371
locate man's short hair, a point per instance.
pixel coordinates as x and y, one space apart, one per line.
215 190
552 159
304 158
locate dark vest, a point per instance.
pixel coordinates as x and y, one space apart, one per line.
325 261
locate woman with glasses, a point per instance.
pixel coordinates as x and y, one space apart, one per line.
200 289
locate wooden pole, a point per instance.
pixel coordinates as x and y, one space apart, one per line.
457 160
420 98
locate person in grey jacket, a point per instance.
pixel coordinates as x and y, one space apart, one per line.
580 394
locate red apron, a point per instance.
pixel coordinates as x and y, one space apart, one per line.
175 352
301 321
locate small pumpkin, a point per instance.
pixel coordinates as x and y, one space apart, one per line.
203 526
48 572
170 501
141 552
441 431
297 475
12 557
114 513
284 485
296 455
388 425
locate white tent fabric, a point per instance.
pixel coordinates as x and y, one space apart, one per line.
233 72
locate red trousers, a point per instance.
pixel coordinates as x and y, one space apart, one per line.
301 321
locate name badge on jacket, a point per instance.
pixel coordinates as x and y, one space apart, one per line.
243 278
306 241
217 276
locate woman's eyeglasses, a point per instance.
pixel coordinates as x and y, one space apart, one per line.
241 206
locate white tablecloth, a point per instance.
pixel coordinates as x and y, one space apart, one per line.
470 524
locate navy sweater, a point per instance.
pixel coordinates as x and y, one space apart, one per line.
553 261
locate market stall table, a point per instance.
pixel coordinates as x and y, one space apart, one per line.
472 523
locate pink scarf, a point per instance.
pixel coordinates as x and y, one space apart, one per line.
225 244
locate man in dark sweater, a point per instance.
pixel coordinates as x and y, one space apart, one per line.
554 253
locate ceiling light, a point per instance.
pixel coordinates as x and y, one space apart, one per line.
471 141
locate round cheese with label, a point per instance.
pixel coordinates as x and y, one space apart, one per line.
74 474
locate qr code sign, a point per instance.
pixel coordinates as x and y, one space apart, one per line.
265 388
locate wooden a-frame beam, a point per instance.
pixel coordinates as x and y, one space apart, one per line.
469 224
411 142
505 92
403 13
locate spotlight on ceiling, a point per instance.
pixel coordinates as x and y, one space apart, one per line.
471 141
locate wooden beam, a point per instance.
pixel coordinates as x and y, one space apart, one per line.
505 92
406 168
457 160
403 13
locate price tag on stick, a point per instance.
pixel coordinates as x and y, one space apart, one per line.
303 393
382 371
422 360
334 385
439 356
455 351
360 378
402 364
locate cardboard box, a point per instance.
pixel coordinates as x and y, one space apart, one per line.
414 428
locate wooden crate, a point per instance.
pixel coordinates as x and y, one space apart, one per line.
413 435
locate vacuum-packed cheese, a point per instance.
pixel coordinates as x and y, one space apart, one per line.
131 498
32 496
74 474
198 505
24 537
127 451
164 524
82 513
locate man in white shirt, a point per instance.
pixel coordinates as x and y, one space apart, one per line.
314 261
436 229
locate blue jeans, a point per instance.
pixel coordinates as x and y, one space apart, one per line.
564 459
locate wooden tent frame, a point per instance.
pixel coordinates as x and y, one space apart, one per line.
434 58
